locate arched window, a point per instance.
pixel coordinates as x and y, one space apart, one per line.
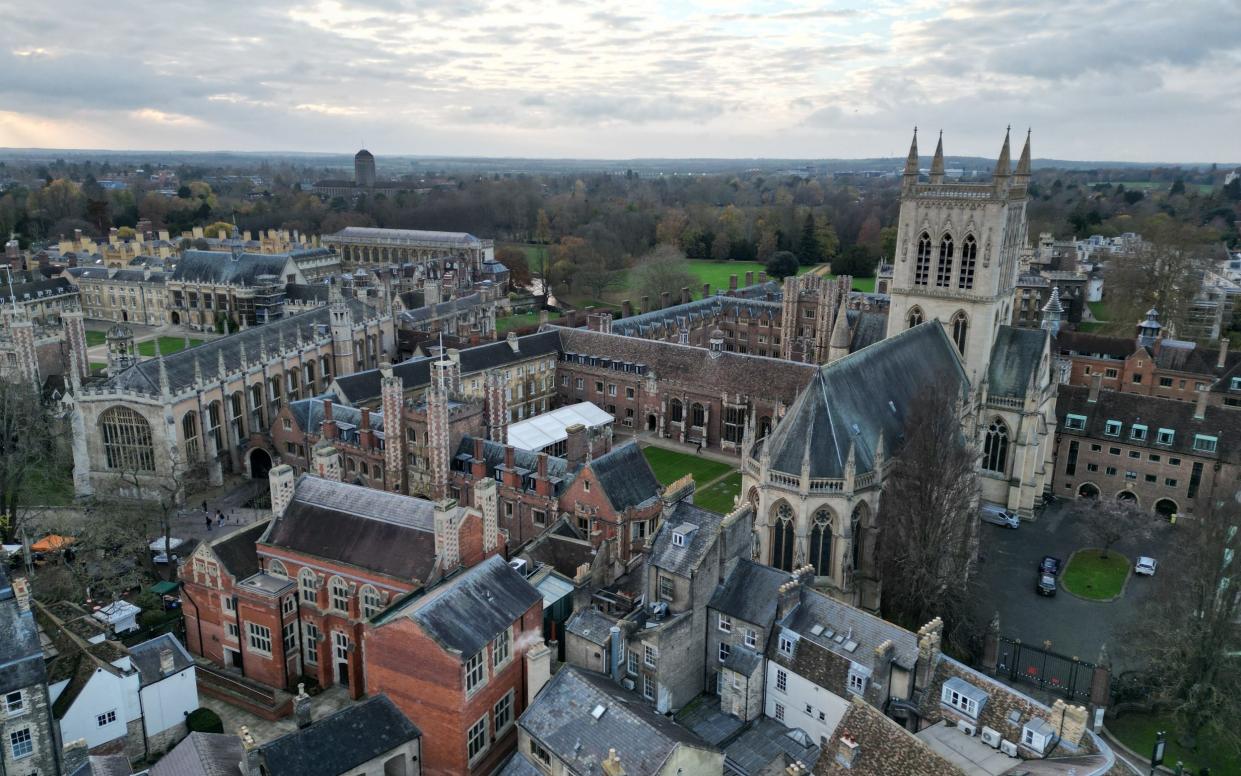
698 416
189 432
308 586
922 268
365 472
915 317
213 425
339 592
995 447
969 255
127 440
256 407
294 378
943 270
350 465
236 410
276 568
782 538
821 543
675 411
856 531
371 604
960 331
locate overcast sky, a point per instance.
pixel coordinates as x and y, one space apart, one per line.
1134 80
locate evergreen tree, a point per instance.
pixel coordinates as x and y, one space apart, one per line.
810 250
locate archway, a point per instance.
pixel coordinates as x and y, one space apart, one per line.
764 426
651 422
1127 497
176 318
1166 507
1088 490
260 463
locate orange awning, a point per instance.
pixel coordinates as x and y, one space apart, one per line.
52 542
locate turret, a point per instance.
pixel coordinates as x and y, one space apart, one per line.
937 164
1003 165
1053 312
839 347
910 176
1149 329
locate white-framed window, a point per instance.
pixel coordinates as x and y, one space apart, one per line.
340 594
307 586
725 651
666 588
228 604
1137 431
501 649
726 624
678 540
475 672
1165 436
787 644
106 718
1112 428
632 668
857 683
502 713
232 630
276 568
779 712
1204 443
290 638
14 703
1075 421
476 738
260 637
960 702
371 603
650 655
782 680
751 638
540 754
311 643
1027 735
21 743
648 688
287 605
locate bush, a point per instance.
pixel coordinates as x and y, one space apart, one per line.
782 264
204 720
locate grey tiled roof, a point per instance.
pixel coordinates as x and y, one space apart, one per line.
749 592
145 657
425 313
743 660
341 741
398 236
236 550
518 765
1015 357
21 656
202 754
592 625
226 267
850 624
625 476
525 460
561 720
853 400
684 560
693 313
768 741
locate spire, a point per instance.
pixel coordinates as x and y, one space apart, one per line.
198 371
911 161
220 363
839 346
1023 164
937 164
164 388
1003 165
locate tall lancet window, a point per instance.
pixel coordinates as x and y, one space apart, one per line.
922 269
969 255
960 331
943 270
995 448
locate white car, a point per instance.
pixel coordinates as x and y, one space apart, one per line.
1145 566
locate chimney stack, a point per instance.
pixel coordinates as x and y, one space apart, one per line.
846 750
21 592
787 598
626 309
1223 353
732 280
612 765
749 278
1200 406
538 669
706 290
250 750
576 446
166 662
1096 385
328 430
684 295
665 299
301 707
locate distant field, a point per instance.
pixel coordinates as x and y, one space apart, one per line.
1202 188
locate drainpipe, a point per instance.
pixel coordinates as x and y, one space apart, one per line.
241 637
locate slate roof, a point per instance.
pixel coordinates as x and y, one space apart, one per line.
104 765
884 748
1087 344
342 741
684 560
426 313
145 657
144 376
493 595
202 754
33 289
847 624
1015 357
867 327
21 656
592 625
765 742
853 400
518 765
1155 413
758 376
694 313
222 267
236 550
743 660
625 476
561 548
561 720
366 528
309 415
749 592
399 236
525 460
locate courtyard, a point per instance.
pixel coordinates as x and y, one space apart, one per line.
717 483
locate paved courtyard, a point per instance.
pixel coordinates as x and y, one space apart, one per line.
331 700
1074 626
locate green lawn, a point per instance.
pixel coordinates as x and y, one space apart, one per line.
670 466
167 345
1099 311
48 488
719 497
95 338
1090 575
864 284
503 324
96 366
1089 327
1137 731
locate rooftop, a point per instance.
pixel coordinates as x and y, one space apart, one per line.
548 428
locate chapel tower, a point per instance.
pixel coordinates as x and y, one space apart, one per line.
956 253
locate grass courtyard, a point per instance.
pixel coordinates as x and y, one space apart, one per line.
167 345
1137 731
718 483
719 496
95 338
1090 575
521 320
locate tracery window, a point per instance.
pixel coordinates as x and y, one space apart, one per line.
915 317
943 270
782 538
821 543
922 267
127 441
969 256
960 331
995 447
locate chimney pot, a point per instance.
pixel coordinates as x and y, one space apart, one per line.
166 662
1096 385
1200 406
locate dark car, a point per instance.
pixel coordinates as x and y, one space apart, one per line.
1049 565
1046 584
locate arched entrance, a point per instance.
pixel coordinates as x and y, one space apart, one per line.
1127 498
176 318
1166 507
651 422
260 463
1088 490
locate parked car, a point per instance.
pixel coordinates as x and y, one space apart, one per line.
1145 566
1046 584
997 515
1049 565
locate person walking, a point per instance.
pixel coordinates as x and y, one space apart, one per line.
207 517
219 516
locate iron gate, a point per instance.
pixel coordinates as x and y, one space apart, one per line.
1050 670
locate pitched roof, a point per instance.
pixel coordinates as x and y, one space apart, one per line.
853 400
884 748
846 631
562 719
592 625
341 741
104 765
1087 344
525 461
749 592
21 656
493 594
425 313
399 236
241 269
146 658
366 528
1015 357
625 476
202 754
684 559
236 550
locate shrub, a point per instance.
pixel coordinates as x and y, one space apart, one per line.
204 720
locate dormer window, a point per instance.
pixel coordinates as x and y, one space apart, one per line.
787 644
1166 435
1112 428
678 539
1077 422
1137 431
963 696
1204 443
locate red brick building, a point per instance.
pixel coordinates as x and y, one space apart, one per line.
461 660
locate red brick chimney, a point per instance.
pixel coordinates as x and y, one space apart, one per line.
541 485
365 437
511 478
576 446
329 425
478 467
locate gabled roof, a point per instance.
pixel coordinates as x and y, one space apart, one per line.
684 559
853 400
847 625
236 550
21 656
749 592
202 754
1087 344
1015 356
241 269
525 460
399 236
366 528
592 625
341 741
145 657
884 748
464 613
625 476
563 719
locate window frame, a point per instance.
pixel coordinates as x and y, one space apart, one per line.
1113 428
477 730
1159 436
255 637
1206 443
1075 422
725 623
26 743
474 672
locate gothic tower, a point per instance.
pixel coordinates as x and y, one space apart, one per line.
956 253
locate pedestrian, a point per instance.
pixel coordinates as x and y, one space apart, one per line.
205 510
699 450
208 518
219 516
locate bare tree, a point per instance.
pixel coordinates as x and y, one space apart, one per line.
33 451
1189 633
928 520
1165 273
663 269
1107 521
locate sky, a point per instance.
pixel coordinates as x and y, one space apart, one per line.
1124 80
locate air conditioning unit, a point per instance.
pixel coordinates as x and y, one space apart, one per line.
967 728
1008 748
518 565
627 684
991 737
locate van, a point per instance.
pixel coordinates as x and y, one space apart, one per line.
997 515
